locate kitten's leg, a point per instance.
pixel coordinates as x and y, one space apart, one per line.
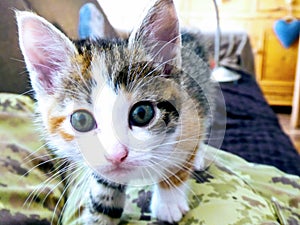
105 204
169 204
199 163
169 200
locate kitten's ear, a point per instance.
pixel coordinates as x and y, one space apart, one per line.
159 32
47 51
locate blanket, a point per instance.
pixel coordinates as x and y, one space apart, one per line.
253 131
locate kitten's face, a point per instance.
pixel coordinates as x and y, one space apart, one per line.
125 110
122 127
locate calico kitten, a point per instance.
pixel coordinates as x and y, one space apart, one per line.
121 110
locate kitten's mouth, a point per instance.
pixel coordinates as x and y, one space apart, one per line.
118 169
122 173
115 170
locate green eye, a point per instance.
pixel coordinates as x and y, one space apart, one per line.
83 121
141 114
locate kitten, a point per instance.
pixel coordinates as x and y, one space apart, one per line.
121 110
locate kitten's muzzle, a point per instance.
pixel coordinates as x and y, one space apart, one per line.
118 155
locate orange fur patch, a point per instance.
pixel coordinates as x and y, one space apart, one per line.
55 123
85 62
55 127
66 136
192 126
181 176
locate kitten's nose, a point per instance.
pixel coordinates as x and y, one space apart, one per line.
119 154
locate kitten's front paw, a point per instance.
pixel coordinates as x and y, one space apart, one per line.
171 212
169 206
199 163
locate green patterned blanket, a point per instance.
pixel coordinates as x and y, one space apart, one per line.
230 191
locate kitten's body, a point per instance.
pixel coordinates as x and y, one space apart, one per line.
121 110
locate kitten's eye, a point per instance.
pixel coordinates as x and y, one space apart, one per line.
141 114
83 121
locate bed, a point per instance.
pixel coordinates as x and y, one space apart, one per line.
252 128
241 192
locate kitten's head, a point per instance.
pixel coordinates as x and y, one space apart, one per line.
123 108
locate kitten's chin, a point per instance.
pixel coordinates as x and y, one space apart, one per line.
116 173
110 170
134 174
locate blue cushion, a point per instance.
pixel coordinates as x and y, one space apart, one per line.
287 32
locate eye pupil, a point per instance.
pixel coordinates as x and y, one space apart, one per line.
83 121
141 114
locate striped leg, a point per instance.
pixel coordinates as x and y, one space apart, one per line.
106 203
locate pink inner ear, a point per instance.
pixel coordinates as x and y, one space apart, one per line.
165 24
44 49
160 31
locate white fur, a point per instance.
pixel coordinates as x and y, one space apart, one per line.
112 121
199 163
169 204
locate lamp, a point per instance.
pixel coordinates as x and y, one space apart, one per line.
221 73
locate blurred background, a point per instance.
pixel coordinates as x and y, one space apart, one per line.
254 17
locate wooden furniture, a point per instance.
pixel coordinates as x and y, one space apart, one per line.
275 65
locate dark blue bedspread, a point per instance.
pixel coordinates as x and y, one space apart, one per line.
252 128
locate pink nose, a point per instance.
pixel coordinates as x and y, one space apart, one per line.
119 154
